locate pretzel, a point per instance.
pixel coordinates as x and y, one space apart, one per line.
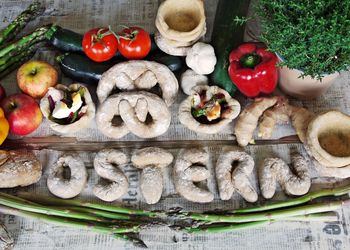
138 75
237 179
151 160
114 183
133 108
190 167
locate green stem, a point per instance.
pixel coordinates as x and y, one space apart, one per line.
296 201
66 222
11 201
101 213
229 228
19 199
116 232
271 215
250 60
324 217
59 202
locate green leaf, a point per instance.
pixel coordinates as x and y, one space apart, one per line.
199 112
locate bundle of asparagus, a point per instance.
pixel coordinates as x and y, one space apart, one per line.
125 223
13 54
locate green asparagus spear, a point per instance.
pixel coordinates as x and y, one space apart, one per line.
74 202
296 201
101 213
40 34
67 221
227 228
8 33
216 228
14 66
9 61
8 200
271 215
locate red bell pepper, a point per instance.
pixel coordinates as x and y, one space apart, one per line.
253 70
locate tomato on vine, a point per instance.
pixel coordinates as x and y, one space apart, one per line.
134 43
100 44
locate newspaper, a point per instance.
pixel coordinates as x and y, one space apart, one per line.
80 15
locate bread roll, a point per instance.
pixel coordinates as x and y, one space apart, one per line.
18 168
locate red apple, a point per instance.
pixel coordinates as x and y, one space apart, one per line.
22 112
35 77
2 92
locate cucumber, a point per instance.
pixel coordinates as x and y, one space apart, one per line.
69 41
81 69
226 36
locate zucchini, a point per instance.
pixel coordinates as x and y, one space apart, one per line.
227 35
174 63
81 69
69 41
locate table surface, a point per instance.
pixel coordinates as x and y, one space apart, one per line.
82 15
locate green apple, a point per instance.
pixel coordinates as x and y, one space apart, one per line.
35 77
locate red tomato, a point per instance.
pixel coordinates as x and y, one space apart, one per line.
134 43
100 44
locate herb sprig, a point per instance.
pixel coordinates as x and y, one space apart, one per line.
310 35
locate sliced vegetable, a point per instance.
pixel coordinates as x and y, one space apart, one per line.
134 43
100 44
208 110
68 109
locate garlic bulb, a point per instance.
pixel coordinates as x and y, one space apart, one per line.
201 58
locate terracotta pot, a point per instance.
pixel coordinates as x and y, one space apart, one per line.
305 88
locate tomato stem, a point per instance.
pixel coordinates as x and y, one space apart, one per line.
112 32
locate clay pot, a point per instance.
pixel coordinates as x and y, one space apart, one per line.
305 88
328 139
185 111
181 22
78 125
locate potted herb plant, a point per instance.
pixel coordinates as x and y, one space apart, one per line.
311 39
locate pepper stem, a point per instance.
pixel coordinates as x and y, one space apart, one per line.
250 60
